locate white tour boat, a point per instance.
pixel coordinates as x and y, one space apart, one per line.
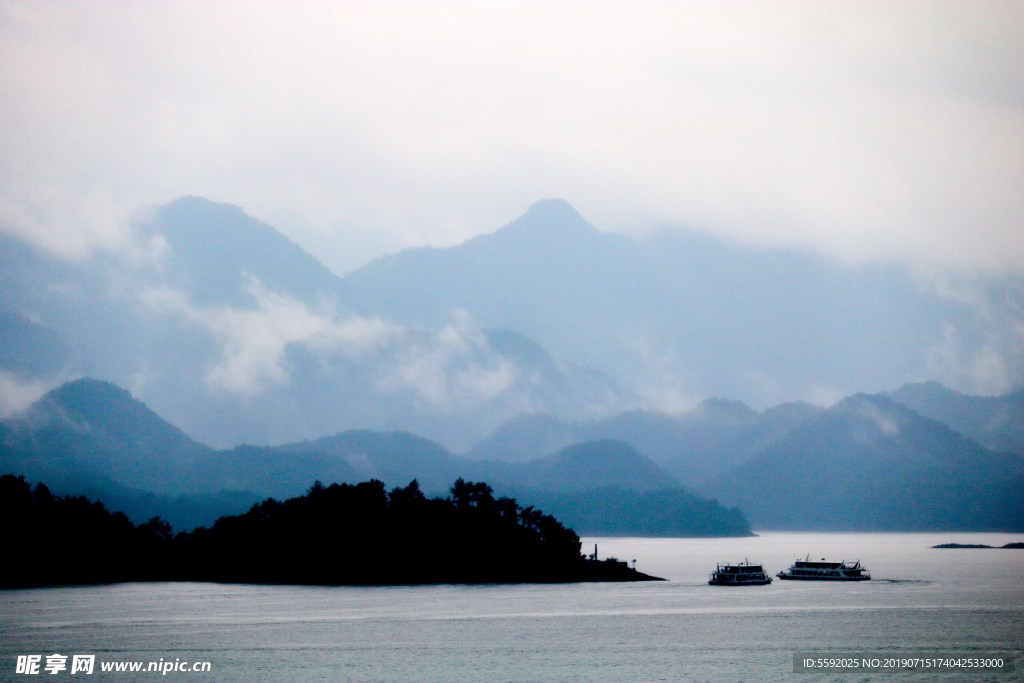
823 570
742 574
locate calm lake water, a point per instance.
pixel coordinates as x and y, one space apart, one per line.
920 601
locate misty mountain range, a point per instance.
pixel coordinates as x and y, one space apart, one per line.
867 463
91 437
234 333
547 358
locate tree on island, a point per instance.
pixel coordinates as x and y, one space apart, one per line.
360 534
52 540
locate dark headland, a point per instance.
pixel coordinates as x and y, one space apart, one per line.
343 534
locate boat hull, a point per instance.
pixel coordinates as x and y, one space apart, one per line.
784 577
741 574
813 570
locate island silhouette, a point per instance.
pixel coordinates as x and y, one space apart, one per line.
341 534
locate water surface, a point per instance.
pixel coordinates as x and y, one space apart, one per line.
677 630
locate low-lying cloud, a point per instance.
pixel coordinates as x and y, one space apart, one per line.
18 393
453 368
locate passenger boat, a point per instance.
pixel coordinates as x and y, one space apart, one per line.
742 574
814 570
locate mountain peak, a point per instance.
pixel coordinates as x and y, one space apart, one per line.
550 220
214 246
553 209
95 401
606 462
82 396
724 410
114 411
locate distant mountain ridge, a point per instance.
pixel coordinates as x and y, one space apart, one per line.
996 422
685 304
596 464
231 331
92 437
236 334
213 247
693 445
867 463
871 464
498 277
94 426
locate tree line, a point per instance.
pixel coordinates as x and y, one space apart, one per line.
332 535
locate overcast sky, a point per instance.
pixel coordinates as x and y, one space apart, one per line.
866 130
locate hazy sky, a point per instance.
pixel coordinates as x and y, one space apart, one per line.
862 129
